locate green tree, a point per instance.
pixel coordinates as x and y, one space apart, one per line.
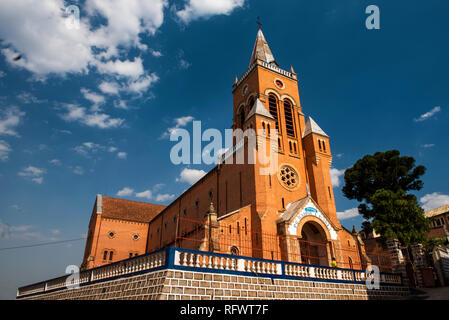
381 182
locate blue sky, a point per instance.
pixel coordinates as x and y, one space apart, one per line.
86 111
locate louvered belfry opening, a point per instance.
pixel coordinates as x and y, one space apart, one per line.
289 119
273 106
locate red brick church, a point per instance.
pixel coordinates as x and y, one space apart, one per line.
286 215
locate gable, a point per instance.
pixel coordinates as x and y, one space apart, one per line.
303 208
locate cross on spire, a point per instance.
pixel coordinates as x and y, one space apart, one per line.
259 23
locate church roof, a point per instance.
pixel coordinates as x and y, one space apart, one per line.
293 208
259 109
129 210
313 127
261 50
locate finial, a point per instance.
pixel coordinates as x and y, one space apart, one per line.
354 230
211 208
292 70
259 23
236 80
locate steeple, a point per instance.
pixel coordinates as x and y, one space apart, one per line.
261 50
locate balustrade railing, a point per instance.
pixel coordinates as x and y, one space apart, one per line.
176 258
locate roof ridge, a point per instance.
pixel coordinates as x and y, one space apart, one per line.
121 199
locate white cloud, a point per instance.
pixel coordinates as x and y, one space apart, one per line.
87 148
2 74
142 84
7 231
190 176
48 46
156 53
121 104
24 232
184 64
348 214
93 97
55 162
9 120
434 200
147 194
179 123
122 155
127 68
125 192
5 149
112 149
27 98
91 119
33 173
78 170
164 197
158 187
335 176
428 114
429 145
195 9
109 87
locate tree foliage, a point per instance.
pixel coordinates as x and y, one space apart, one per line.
381 182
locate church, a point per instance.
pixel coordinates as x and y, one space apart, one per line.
288 214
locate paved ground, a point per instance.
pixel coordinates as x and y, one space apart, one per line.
441 293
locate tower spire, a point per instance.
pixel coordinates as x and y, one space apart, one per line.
261 49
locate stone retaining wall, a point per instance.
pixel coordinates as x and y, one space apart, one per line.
179 284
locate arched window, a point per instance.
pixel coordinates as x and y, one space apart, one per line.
251 103
234 251
289 122
273 106
242 117
350 263
324 146
111 255
319 144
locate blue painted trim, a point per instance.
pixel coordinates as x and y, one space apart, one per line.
96 268
163 267
169 264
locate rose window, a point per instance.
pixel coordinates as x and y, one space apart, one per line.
288 177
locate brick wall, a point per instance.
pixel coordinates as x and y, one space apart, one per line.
175 273
186 285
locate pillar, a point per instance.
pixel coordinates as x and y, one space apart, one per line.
397 260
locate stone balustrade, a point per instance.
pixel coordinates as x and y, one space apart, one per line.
183 259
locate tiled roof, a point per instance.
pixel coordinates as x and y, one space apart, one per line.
293 208
129 210
437 211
